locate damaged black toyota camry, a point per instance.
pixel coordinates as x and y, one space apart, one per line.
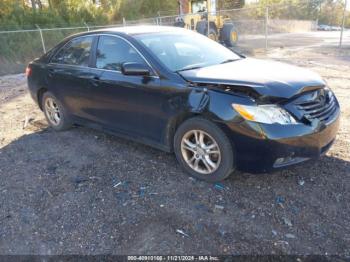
181 92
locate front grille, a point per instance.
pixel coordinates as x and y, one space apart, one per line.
319 104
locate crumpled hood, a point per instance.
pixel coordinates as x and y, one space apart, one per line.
268 78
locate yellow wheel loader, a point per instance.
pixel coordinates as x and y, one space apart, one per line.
200 14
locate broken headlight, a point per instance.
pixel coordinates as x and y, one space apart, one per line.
267 114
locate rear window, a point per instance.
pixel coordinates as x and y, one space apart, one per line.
76 52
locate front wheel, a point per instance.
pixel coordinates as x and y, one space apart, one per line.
204 150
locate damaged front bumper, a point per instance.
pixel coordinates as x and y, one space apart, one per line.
265 147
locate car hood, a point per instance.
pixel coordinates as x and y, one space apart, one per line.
267 78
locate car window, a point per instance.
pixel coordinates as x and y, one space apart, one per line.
76 52
112 52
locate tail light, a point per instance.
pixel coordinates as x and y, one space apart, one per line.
28 71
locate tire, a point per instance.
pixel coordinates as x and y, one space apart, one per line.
227 35
201 27
55 113
212 34
225 160
179 22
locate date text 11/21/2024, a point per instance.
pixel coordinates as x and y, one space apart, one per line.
173 258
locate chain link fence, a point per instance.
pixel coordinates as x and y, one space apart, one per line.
19 47
260 29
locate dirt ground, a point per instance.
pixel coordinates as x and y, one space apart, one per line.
85 192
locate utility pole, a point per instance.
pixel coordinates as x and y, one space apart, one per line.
343 23
266 27
180 7
208 18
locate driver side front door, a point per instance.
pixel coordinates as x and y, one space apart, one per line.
131 105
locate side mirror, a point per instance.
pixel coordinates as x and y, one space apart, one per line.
135 69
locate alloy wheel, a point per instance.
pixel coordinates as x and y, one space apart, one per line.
52 111
200 151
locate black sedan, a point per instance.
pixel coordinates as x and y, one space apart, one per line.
181 92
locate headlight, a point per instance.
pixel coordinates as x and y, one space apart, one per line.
329 92
267 114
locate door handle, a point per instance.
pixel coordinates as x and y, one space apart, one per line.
51 71
94 81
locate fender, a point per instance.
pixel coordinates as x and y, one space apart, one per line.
198 99
211 103
215 104
192 103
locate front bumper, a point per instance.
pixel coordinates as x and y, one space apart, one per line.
265 147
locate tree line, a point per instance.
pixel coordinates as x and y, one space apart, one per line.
328 12
49 13
17 49
24 14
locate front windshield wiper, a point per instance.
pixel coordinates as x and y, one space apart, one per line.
229 60
188 68
201 66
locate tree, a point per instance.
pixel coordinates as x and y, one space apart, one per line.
331 13
33 5
135 9
230 4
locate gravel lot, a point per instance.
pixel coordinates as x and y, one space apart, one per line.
85 192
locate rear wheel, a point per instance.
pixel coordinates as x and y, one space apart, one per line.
212 34
204 150
54 112
202 28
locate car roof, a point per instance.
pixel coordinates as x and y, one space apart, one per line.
144 29
135 30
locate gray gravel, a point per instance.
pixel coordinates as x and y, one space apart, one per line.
85 192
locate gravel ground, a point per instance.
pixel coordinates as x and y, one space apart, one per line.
85 192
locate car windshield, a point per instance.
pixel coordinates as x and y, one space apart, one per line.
186 50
